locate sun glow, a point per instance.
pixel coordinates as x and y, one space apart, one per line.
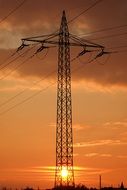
64 172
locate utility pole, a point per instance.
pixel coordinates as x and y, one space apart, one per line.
100 182
64 172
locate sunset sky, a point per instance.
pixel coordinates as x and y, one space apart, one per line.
99 94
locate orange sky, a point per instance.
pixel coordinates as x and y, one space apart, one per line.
99 93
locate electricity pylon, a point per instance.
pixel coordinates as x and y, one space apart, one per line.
64 138
64 173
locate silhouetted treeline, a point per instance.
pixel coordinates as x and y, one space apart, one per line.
83 187
77 187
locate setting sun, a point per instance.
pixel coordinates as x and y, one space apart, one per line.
64 172
63 94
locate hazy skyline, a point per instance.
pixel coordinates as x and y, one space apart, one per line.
99 96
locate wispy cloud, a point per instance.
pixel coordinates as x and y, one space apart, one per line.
114 74
79 127
122 156
78 169
99 143
52 124
76 127
116 124
76 154
95 154
48 172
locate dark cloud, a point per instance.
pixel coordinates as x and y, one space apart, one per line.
37 17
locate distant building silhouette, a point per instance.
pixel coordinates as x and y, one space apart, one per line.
122 185
100 182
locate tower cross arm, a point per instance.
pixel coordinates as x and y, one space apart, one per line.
40 39
87 42
56 42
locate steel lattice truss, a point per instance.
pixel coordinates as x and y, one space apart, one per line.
64 137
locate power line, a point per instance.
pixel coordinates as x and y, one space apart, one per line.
4 103
25 90
4 66
6 59
103 30
26 100
17 66
12 11
83 12
21 64
122 51
35 94
117 47
104 37
33 84
110 36
33 46
7 64
12 98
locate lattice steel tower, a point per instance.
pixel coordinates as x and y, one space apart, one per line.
64 175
